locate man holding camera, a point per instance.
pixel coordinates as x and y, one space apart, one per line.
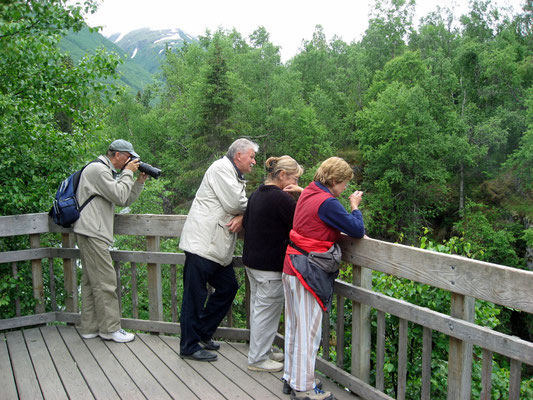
100 313
208 239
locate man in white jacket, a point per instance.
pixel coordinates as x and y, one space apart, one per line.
208 239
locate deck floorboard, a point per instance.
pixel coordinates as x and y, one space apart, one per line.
55 362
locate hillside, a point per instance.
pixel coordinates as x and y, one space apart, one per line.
146 47
132 74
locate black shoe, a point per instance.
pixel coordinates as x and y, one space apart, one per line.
210 345
200 355
287 388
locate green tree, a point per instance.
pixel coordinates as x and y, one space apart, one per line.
404 176
49 105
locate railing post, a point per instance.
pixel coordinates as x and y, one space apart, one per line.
460 354
155 295
362 277
37 276
70 276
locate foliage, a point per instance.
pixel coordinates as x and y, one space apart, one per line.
48 103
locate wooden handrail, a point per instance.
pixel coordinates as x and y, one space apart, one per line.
465 279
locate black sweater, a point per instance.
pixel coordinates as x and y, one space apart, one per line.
267 223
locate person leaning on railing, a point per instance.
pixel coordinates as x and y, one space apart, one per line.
100 312
208 238
267 222
318 222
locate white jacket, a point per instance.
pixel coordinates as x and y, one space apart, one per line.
220 197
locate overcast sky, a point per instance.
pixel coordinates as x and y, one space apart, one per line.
287 21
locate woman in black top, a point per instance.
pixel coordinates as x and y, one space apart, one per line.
267 222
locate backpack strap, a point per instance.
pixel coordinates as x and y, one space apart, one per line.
94 195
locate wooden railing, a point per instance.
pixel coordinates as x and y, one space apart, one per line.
467 281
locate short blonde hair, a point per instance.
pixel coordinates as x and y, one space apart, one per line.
274 165
332 171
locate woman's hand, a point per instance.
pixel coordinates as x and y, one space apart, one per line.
293 188
355 199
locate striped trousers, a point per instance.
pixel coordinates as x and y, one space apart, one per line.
303 330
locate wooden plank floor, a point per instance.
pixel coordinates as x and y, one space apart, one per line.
54 362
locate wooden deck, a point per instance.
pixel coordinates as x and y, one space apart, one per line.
54 362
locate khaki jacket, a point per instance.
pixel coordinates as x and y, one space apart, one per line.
97 218
220 197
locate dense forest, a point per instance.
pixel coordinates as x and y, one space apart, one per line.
436 117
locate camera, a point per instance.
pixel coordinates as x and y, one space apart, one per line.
148 169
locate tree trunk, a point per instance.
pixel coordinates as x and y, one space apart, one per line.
461 187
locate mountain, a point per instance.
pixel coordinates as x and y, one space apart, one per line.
142 51
147 47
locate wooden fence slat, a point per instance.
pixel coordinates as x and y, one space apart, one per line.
37 276
69 274
486 375
361 334
514 380
402 359
380 351
134 291
173 292
17 298
340 331
326 335
52 284
116 265
460 352
155 292
426 363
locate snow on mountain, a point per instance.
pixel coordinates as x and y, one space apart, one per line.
148 45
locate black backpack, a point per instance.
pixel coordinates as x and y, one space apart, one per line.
66 210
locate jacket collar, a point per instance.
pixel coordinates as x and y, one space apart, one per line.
110 165
324 188
239 173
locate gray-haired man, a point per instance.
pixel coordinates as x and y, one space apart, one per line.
208 239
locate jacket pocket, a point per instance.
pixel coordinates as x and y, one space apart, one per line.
222 244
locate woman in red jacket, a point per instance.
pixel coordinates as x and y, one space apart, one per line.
318 222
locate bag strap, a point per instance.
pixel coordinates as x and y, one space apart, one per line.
94 195
292 244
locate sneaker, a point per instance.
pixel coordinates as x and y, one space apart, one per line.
120 336
313 394
89 335
279 357
267 365
287 388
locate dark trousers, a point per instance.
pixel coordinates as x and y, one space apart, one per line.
199 320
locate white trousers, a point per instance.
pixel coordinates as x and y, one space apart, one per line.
303 331
266 304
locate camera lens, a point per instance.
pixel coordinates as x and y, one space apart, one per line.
148 169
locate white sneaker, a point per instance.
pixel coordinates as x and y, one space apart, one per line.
279 357
267 365
120 336
89 335
313 394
